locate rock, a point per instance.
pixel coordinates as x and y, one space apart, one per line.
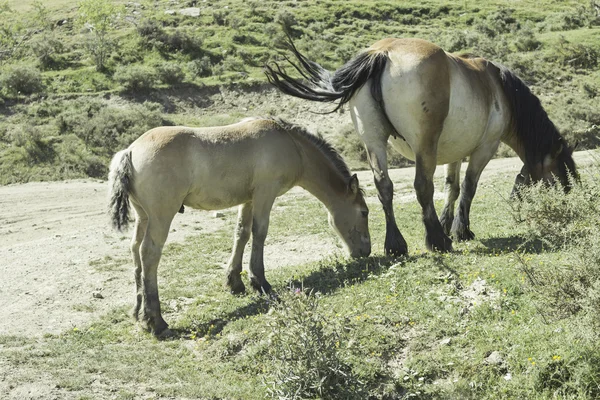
218 214
445 342
495 358
97 295
190 12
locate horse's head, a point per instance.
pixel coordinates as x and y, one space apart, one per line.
350 219
556 167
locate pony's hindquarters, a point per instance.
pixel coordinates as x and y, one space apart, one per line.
119 183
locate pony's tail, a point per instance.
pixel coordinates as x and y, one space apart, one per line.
119 182
327 86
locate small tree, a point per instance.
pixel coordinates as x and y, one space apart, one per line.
99 17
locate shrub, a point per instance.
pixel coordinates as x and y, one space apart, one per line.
565 222
135 77
21 79
170 73
305 355
202 67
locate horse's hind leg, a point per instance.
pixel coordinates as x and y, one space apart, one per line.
435 238
141 224
240 238
477 162
374 132
452 189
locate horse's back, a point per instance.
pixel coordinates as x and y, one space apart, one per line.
214 167
432 96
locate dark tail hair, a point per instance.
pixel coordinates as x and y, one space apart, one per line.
327 86
119 182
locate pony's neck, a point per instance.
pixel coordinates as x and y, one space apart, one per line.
320 176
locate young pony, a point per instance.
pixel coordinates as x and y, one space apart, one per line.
434 108
248 164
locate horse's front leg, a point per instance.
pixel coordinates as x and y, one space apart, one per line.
452 189
477 162
241 235
435 238
262 204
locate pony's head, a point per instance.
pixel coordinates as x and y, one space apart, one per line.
557 167
350 219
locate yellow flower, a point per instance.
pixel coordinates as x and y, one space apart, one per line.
556 358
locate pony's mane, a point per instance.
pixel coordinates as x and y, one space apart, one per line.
531 123
321 144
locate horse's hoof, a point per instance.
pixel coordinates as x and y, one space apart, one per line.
464 236
441 243
237 289
164 334
446 224
396 246
264 288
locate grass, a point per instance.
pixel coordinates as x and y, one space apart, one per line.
475 323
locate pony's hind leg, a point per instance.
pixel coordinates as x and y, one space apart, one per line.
141 224
150 253
452 189
262 204
477 162
241 235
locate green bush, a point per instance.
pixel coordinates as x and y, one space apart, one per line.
170 73
21 79
305 355
201 68
566 223
135 77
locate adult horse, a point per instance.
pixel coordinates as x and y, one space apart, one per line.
434 108
248 164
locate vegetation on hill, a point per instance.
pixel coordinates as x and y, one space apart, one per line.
79 81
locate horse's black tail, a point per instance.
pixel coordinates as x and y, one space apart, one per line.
327 86
119 182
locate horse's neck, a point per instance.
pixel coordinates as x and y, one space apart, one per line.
513 141
321 178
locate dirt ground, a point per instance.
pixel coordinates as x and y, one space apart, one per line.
53 233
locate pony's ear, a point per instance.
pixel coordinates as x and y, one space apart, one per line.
353 184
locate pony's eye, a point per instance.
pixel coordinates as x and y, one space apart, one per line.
365 214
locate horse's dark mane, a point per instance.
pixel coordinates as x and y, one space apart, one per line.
327 149
536 132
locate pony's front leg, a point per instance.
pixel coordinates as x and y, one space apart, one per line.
150 252
477 162
452 189
241 235
262 202
435 238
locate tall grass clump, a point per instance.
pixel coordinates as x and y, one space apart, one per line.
305 355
